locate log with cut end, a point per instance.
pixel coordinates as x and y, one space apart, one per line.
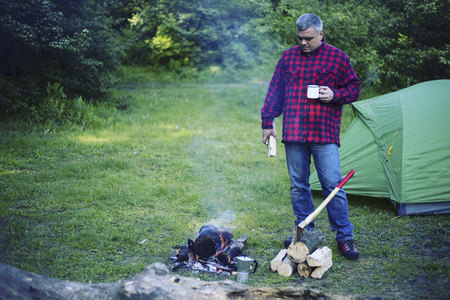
307 243
320 257
277 260
287 267
298 252
319 271
303 269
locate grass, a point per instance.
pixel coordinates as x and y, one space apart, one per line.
98 205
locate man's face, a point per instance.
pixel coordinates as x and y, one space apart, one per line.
309 39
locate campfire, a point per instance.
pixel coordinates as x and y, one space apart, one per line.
214 251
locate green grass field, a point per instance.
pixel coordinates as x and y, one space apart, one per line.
97 205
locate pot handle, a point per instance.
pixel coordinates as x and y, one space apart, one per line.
256 266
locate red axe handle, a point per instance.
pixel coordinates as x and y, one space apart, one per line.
314 214
297 232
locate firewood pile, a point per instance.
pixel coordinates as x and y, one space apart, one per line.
304 257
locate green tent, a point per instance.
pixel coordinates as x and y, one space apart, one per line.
399 146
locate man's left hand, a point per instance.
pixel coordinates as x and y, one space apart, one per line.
325 94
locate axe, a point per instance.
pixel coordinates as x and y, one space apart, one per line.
297 232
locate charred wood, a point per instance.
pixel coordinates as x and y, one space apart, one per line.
232 250
211 240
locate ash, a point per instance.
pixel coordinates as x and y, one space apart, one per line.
205 266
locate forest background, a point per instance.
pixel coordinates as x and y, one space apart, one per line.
57 57
108 134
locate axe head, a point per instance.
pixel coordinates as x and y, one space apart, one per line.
297 232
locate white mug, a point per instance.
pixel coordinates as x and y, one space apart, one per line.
313 92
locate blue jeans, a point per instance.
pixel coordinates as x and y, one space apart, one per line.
326 161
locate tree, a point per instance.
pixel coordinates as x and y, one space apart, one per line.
56 41
414 42
178 33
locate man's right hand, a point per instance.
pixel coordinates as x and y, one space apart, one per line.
266 133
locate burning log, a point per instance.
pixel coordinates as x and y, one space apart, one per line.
211 240
212 251
232 250
185 253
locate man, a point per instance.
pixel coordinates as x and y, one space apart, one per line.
311 126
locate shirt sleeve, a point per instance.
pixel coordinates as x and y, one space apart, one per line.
273 104
348 88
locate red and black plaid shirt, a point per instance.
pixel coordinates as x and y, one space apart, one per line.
309 120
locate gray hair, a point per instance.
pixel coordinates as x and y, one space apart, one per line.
306 21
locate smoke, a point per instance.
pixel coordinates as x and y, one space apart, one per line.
226 218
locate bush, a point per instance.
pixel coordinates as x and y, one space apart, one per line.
57 110
70 42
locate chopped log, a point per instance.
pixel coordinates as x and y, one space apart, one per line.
318 272
303 269
272 147
287 267
298 252
272 144
307 243
232 250
320 257
277 260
